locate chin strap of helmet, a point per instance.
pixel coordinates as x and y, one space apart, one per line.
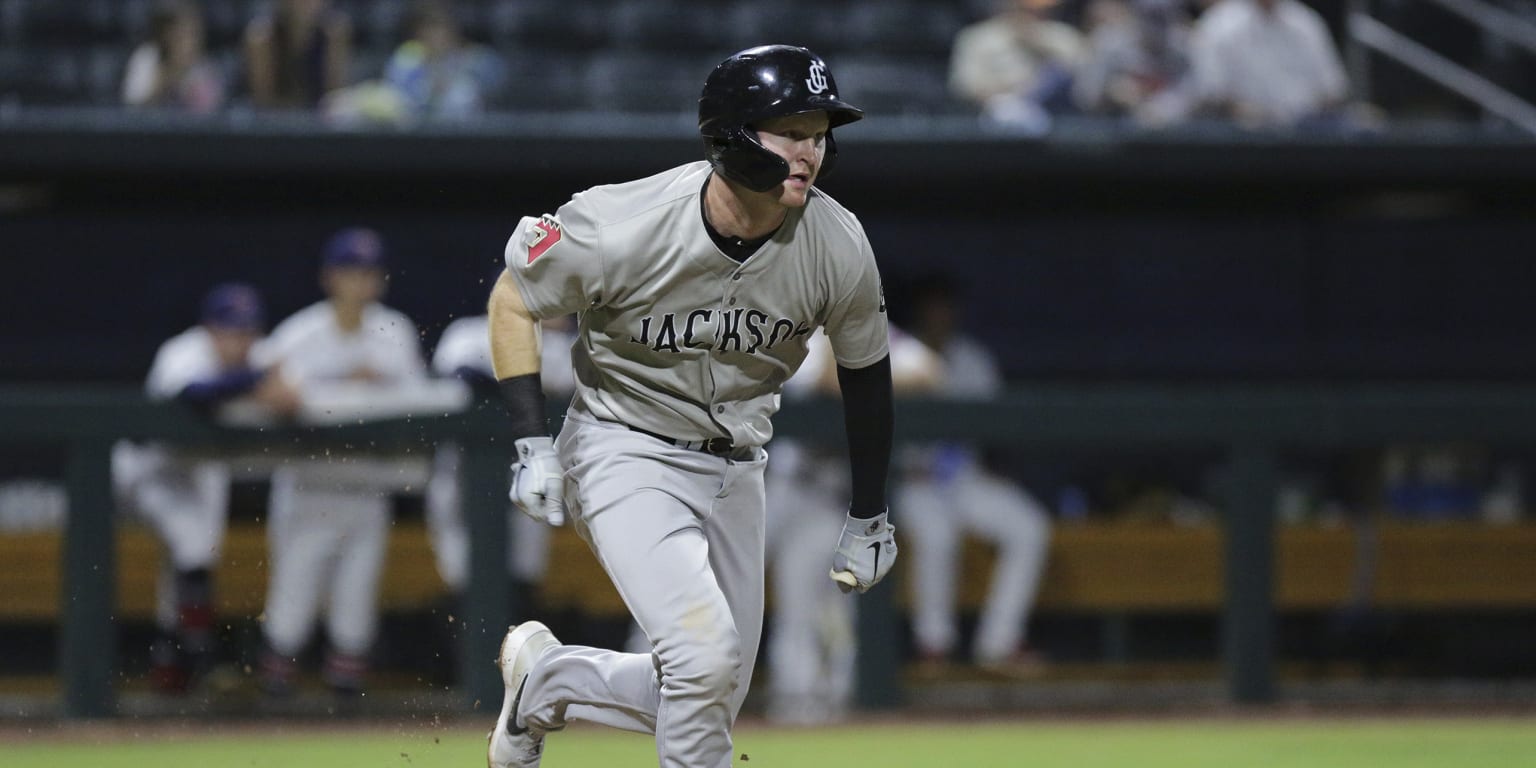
740 157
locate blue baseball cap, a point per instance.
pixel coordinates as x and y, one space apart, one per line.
236 306
354 247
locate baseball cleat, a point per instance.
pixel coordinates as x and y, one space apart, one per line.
1023 664
512 745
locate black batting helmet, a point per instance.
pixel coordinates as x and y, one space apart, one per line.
758 84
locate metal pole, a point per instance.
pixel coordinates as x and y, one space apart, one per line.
87 635
1460 80
1357 58
487 606
1250 545
879 633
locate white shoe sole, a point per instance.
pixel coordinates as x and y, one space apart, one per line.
515 666
513 669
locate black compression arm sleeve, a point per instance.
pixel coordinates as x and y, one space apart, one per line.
869 417
524 396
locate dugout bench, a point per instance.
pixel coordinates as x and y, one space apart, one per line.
1093 568
1249 427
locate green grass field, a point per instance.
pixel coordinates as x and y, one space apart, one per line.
1404 743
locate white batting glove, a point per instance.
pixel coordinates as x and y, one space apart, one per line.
538 481
865 553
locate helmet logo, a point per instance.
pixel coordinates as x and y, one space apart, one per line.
817 82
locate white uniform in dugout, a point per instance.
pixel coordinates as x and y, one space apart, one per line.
329 516
182 497
184 500
465 344
811 650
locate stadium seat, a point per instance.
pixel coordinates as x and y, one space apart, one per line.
10 23
903 26
474 17
543 80
890 85
68 22
225 21
377 24
665 25
755 23
33 76
571 25
368 64
643 82
231 64
102 68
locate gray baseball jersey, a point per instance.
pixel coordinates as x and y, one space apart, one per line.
675 337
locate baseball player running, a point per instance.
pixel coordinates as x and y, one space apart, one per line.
697 289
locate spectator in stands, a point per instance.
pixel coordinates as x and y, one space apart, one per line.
947 492
1266 64
437 72
1137 65
1017 66
328 522
184 499
297 54
172 68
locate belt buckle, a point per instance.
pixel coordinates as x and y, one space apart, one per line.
718 446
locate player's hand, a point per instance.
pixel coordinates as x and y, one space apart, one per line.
278 395
538 482
865 553
365 374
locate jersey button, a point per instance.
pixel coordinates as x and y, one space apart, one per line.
736 276
719 409
733 301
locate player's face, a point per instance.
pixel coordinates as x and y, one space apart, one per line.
232 345
353 286
802 141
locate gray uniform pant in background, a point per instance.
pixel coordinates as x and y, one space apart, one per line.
680 533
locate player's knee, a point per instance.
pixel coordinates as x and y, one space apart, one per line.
711 667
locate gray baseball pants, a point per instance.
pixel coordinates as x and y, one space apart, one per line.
680 533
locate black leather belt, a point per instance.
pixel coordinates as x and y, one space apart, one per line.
715 446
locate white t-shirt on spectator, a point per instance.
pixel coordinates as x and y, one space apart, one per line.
1279 66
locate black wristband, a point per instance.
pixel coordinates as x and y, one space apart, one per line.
524 396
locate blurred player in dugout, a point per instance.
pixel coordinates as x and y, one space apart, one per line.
947 492
329 515
812 648
184 498
464 352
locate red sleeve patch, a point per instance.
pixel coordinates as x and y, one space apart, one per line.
542 236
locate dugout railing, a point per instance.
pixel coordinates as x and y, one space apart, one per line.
1250 428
